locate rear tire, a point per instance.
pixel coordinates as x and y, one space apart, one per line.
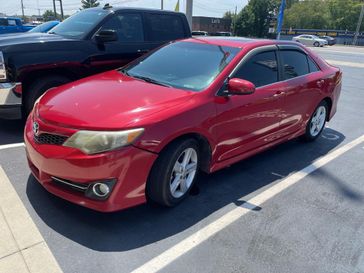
38 88
317 122
174 173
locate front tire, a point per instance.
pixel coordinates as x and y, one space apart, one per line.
174 173
316 44
317 122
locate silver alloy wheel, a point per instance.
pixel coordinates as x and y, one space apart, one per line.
318 121
183 173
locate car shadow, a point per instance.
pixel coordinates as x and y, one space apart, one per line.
146 224
11 131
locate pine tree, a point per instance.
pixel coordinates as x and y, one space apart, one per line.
89 4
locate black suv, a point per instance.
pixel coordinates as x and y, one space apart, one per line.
89 42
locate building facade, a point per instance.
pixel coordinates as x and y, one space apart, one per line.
211 24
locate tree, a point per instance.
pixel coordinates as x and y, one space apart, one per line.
254 18
48 15
309 14
344 14
323 14
89 4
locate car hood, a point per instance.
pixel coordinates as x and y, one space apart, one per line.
29 38
108 101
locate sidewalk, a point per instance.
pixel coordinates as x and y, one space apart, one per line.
22 247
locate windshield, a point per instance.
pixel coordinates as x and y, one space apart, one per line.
80 24
185 65
44 27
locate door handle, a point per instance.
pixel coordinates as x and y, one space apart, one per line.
278 94
320 83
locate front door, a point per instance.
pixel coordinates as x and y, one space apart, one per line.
245 122
129 46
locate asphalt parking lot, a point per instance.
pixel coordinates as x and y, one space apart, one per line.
280 211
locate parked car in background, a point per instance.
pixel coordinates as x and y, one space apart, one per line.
45 27
310 40
222 33
13 25
116 139
91 41
199 33
330 40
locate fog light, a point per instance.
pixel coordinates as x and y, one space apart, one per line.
100 189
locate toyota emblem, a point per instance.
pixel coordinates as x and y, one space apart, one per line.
35 128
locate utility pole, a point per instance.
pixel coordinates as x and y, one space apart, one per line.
161 4
60 3
235 19
189 6
359 24
54 9
22 9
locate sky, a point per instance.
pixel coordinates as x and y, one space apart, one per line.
213 8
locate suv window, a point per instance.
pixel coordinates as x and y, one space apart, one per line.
260 69
128 26
3 22
294 64
163 27
11 22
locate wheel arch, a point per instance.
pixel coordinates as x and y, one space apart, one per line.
31 77
205 148
328 100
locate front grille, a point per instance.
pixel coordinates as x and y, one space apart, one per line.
50 139
69 184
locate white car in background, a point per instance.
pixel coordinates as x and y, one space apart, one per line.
310 40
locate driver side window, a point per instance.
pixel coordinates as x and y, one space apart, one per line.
128 26
261 69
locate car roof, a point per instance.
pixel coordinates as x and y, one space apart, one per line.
118 8
236 41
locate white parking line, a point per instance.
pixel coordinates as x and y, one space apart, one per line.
335 62
14 145
28 252
171 254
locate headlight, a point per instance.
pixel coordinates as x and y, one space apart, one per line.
93 142
2 67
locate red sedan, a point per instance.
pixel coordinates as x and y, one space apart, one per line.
116 139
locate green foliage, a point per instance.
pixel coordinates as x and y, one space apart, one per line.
307 14
48 15
89 4
323 14
253 19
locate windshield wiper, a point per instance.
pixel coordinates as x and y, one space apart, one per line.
150 80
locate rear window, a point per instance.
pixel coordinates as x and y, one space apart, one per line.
294 64
164 27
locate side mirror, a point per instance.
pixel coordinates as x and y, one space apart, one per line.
106 35
238 86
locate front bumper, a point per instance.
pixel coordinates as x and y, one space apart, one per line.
129 166
10 100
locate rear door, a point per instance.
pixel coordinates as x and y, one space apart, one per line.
302 81
164 27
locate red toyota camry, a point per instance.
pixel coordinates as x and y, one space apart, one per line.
116 139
